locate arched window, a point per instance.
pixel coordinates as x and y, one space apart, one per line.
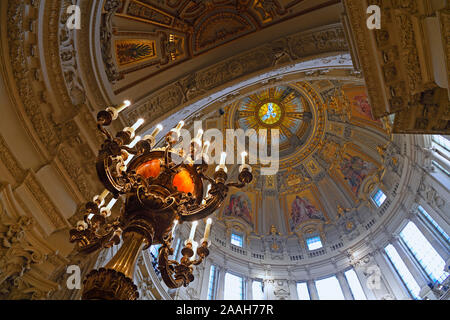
237 239
441 147
379 197
302 291
355 285
423 251
314 243
403 271
435 225
234 287
329 289
258 290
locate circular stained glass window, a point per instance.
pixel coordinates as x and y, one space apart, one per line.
269 113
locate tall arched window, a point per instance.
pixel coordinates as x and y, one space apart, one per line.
403 271
441 147
423 251
258 290
212 283
234 287
329 289
302 291
435 225
355 285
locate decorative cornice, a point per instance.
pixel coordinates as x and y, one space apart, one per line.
186 90
10 161
45 202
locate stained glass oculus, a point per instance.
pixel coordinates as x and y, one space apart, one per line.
270 113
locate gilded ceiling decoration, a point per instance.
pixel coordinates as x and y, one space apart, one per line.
134 51
295 110
321 162
185 29
282 108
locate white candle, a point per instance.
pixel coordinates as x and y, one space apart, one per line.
207 229
130 157
191 235
223 157
199 134
135 141
111 203
104 194
243 155
125 105
194 248
157 130
179 126
175 223
222 165
138 123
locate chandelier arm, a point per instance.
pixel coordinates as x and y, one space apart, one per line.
104 131
203 211
133 150
166 269
238 185
210 180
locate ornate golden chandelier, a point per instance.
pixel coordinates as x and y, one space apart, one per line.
159 194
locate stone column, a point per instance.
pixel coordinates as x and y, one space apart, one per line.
204 288
314 295
363 281
248 288
344 286
393 281
293 289
266 289
220 283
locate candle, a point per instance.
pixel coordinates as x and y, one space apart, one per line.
243 155
135 141
157 130
101 198
221 165
90 216
207 229
130 157
179 126
199 134
138 123
125 105
191 235
104 194
111 203
194 248
223 157
206 194
175 223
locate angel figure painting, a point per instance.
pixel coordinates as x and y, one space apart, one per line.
303 210
355 170
239 206
361 110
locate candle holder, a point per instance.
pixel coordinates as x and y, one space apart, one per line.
157 192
